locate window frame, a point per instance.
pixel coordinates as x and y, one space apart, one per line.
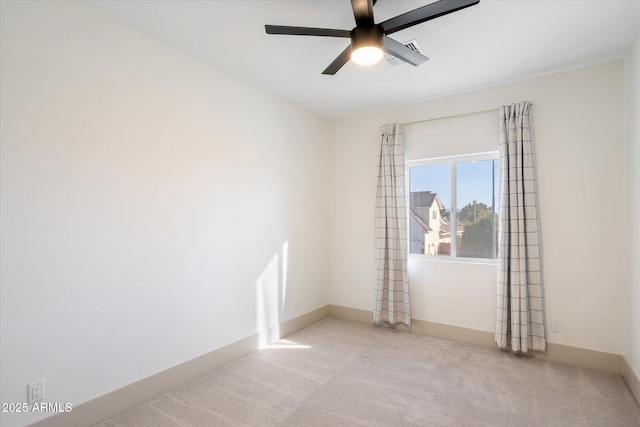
452 161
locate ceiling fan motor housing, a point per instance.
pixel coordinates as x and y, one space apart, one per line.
366 36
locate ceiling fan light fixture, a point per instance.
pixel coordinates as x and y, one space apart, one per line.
367 55
366 45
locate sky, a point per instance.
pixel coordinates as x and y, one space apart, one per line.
475 181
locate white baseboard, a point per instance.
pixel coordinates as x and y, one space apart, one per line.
116 401
355 314
633 381
290 326
583 357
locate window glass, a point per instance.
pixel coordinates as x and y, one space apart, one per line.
475 202
429 209
452 207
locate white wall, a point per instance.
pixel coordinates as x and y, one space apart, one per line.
578 117
148 201
632 91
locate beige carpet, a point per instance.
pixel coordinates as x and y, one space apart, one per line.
342 373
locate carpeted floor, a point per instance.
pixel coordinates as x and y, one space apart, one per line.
342 373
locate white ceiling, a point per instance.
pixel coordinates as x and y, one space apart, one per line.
492 42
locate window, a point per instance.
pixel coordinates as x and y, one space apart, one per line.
452 206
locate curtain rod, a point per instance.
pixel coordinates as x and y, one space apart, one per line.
456 115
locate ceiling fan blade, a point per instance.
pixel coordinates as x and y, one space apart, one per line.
363 12
306 31
337 63
424 13
400 51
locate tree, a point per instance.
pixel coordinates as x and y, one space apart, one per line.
479 226
473 212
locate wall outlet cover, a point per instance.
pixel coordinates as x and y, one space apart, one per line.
35 391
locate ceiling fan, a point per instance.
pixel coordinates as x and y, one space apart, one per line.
369 40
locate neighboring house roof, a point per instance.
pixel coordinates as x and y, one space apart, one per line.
446 228
421 204
420 221
424 199
422 213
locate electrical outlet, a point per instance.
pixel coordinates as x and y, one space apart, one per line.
35 391
556 326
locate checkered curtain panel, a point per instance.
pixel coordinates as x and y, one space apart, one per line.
520 320
392 285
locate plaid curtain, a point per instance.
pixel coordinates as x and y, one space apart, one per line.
392 285
520 320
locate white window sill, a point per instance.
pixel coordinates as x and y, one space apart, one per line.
450 259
